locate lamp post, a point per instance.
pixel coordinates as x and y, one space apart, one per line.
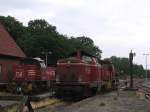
131 55
146 55
46 53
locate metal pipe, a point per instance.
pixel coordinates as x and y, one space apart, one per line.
46 58
46 53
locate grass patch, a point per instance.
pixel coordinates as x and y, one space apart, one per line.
5 93
12 108
102 104
131 93
115 98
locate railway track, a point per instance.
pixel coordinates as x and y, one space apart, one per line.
37 102
145 86
143 90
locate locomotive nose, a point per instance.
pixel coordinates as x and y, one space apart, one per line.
67 73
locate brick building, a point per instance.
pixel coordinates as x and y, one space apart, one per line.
10 54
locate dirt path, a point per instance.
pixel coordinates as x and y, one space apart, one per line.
126 102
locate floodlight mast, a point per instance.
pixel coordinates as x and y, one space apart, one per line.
146 56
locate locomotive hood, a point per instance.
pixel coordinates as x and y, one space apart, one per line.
70 60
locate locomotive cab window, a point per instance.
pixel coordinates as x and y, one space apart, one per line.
87 59
97 62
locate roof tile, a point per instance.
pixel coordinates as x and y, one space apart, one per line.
8 46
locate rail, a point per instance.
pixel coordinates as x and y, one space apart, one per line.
145 88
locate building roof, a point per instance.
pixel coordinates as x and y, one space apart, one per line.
8 46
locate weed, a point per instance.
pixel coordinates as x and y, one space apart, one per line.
102 104
115 98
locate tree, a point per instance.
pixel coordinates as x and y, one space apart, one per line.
42 26
122 64
87 45
14 27
86 41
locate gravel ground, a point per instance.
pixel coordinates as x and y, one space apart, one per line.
109 102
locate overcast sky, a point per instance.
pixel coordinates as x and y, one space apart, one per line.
116 26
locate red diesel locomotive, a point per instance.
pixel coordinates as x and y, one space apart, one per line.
83 75
32 75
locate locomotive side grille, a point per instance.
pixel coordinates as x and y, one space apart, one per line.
31 72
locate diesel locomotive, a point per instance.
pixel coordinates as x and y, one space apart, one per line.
32 75
83 75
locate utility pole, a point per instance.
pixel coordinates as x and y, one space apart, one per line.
146 55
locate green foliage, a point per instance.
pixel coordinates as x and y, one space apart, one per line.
14 27
40 36
87 45
123 68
